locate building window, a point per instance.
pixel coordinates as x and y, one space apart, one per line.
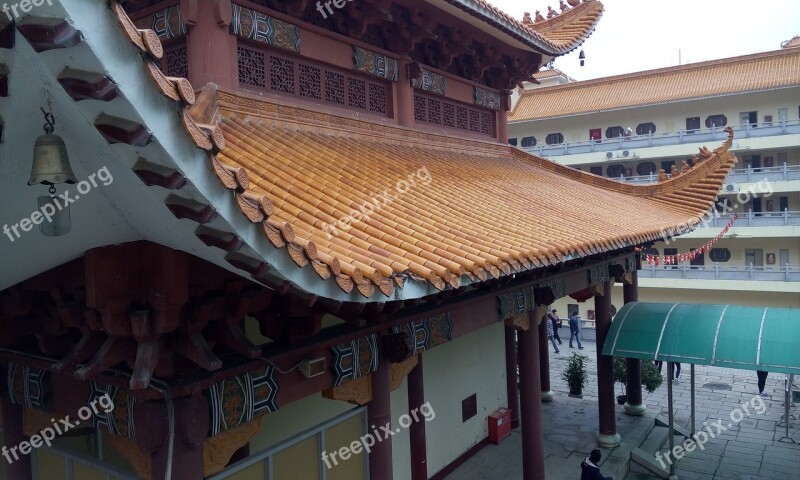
650 251
598 170
646 168
645 128
692 124
291 76
594 134
174 62
615 171
438 111
614 132
554 139
528 142
716 121
512 141
719 254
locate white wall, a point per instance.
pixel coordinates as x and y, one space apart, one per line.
474 363
401 448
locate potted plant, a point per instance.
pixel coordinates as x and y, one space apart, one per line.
651 379
575 375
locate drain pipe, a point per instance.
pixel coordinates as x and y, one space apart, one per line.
671 433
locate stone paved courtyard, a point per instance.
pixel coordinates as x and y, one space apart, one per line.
749 450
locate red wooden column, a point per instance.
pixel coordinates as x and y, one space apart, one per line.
416 432
633 384
608 436
544 362
20 468
210 49
190 419
404 108
512 379
502 118
530 399
379 413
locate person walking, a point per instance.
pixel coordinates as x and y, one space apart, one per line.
575 330
556 324
762 380
676 370
550 332
589 468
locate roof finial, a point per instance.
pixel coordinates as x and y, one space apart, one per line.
539 17
526 19
574 3
550 12
563 6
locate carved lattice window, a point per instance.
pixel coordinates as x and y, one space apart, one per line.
334 87
474 121
310 83
434 111
357 93
437 111
174 63
420 110
449 115
298 77
251 67
461 118
281 75
377 98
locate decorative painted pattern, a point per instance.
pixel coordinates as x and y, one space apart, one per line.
558 286
354 359
428 332
516 302
487 99
167 23
262 28
598 274
238 400
374 64
118 421
430 82
29 386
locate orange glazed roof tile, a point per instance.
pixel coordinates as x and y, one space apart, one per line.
770 70
555 36
429 207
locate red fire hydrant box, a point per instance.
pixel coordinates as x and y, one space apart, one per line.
499 425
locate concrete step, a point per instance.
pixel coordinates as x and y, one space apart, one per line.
645 463
663 421
655 440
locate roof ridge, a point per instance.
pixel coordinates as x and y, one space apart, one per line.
662 70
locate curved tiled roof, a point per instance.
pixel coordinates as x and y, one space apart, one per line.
793 42
770 70
555 36
479 210
475 209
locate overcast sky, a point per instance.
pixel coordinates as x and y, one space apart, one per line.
636 35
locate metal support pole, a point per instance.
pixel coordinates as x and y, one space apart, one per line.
694 418
787 402
671 420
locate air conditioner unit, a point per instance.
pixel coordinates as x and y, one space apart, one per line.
730 188
626 153
609 154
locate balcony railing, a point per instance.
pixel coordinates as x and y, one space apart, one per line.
737 175
756 219
717 272
703 135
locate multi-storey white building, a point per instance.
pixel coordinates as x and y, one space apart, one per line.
631 127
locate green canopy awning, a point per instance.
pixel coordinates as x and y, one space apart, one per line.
749 338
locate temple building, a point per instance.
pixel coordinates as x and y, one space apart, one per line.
289 240
671 113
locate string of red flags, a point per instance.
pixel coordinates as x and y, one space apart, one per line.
688 257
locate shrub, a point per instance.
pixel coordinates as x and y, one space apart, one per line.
575 373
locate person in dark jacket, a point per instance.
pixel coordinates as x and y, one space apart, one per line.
556 325
589 468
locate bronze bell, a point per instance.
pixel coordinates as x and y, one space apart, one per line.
50 162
